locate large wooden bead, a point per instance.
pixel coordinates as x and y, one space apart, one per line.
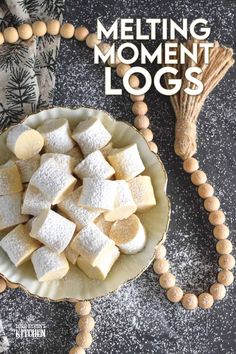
134 81
83 308
113 64
92 40
67 30
167 280
141 122
3 285
226 261
86 323
160 252
147 134
218 291
221 232
216 217
205 190
39 28
10 35
225 277
104 47
84 340
53 27
224 246
174 294
161 266
77 350
190 165
1 38
198 177
81 33
205 300
211 203
25 31
190 301
137 98
122 69
139 108
153 147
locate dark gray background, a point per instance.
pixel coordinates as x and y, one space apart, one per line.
138 318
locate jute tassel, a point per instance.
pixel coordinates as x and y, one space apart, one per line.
186 107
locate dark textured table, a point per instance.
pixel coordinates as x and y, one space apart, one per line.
138 318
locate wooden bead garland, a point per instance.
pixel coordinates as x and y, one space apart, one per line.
25 31
81 33
10 35
67 30
39 28
53 27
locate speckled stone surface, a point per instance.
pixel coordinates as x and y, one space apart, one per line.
138 318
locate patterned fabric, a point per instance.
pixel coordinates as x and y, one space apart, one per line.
27 69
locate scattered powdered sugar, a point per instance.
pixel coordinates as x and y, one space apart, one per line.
91 135
94 165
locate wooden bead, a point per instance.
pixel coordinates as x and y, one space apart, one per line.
190 301
25 31
3 285
153 147
134 81
141 122
224 247
226 261
198 177
190 165
53 27
205 300
137 98
104 47
67 30
39 28
216 217
225 277
139 108
1 38
211 204
218 291
81 33
10 35
84 340
167 280
77 350
174 294
122 69
221 232
92 40
160 252
86 323
83 308
115 62
205 190
147 134
161 266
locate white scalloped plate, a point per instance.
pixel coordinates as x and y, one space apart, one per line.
76 285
